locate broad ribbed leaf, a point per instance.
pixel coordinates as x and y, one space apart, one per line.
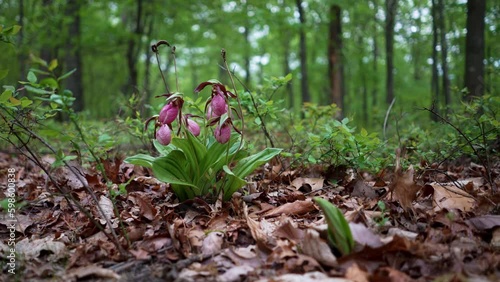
231 183
172 169
339 232
247 165
141 159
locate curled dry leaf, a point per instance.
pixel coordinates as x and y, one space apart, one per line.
107 208
450 197
264 240
212 244
404 189
32 249
485 222
92 270
294 208
364 236
315 183
147 210
355 273
317 248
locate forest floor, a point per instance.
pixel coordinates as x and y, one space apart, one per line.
439 224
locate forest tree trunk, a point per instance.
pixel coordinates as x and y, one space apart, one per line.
474 49
287 69
304 86
375 55
133 48
335 58
20 39
435 75
444 53
390 15
73 59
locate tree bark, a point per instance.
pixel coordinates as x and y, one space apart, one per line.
246 34
474 49
133 48
20 39
145 99
304 86
444 54
335 58
287 69
48 51
435 75
390 16
375 55
73 59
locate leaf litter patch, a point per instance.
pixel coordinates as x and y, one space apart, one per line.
407 226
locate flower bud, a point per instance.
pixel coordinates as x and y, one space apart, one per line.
219 105
169 113
210 113
223 133
193 127
164 135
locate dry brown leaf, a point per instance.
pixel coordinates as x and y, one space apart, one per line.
294 208
212 244
107 208
389 274
263 239
450 197
315 276
364 236
404 189
355 273
147 210
289 231
317 248
315 183
236 273
91 270
140 254
361 189
485 222
32 249
495 239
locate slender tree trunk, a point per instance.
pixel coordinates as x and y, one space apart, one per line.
133 48
444 53
73 58
335 58
474 49
390 16
417 50
246 34
147 67
435 75
375 55
364 86
287 69
304 86
48 51
20 39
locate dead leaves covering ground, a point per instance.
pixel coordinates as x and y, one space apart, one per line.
430 229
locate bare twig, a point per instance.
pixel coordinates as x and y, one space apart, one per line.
387 116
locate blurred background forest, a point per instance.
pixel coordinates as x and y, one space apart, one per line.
358 54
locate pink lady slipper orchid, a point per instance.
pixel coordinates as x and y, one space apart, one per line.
223 133
168 113
218 105
164 135
193 127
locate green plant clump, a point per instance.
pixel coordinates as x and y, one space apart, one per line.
200 162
